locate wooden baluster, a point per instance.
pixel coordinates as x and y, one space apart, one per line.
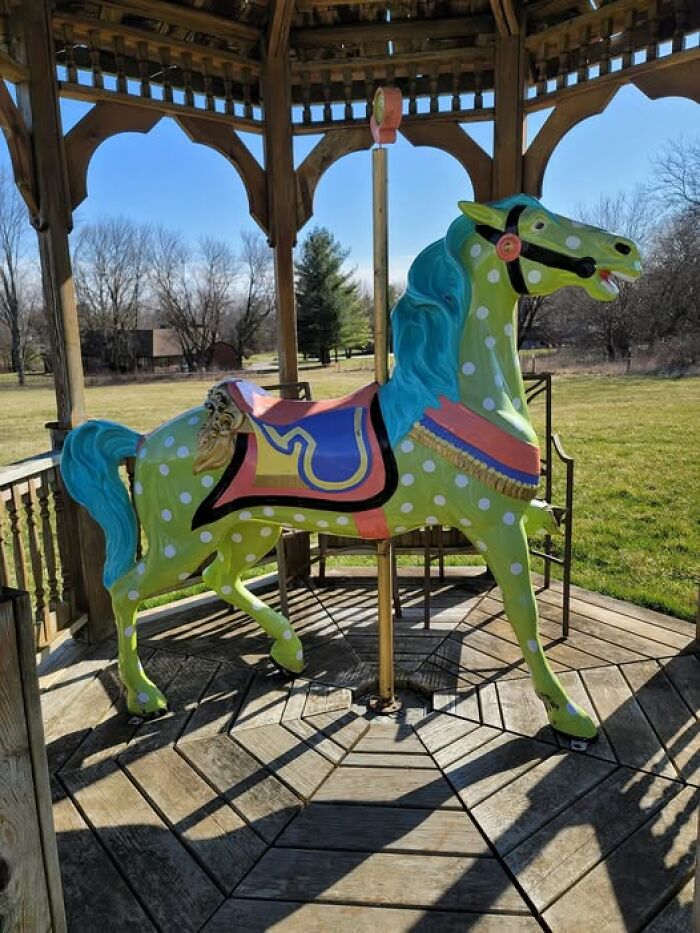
369 92
97 79
229 107
41 611
47 534
326 87
247 100
412 100
433 85
144 70
478 84
347 93
584 41
653 27
4 30
679 12
541 68
210 103
605 55
65 546
630 23
122 85
14 506
4 559
456 80
187 78
69 46
165 66
306 97
563 62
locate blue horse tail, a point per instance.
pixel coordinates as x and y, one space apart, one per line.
90 469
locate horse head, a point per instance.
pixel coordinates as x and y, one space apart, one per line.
543 252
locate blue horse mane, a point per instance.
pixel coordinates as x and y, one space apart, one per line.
427 324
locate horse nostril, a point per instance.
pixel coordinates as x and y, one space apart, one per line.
623 248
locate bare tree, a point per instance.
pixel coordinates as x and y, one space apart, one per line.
529 308
19 288
193 291
677 175
110 265
254 303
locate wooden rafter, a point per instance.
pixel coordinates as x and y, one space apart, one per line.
395 31
188 17
281 13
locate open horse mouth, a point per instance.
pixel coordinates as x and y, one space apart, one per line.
607 277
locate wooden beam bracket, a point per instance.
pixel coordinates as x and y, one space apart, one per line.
451 138
20 148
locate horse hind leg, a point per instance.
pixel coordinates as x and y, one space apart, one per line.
243 549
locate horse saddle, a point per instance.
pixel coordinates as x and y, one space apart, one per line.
331 455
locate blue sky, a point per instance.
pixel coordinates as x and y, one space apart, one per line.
164 178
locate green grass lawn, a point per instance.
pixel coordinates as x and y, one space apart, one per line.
635 440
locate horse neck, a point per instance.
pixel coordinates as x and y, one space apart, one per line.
490 380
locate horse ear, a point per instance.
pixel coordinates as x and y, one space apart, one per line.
481 213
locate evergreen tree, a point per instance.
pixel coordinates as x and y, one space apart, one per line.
326 296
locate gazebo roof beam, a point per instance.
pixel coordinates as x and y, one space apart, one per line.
190 18
396 30
281 13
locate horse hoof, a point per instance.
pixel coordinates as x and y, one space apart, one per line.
287 656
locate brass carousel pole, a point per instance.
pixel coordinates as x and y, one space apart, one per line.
385 120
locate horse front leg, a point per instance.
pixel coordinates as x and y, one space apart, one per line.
509 560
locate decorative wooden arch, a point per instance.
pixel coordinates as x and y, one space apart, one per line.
20 149
107 119
451 138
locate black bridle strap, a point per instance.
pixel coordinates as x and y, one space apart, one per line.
584 267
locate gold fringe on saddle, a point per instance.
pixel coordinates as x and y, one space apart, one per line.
464 461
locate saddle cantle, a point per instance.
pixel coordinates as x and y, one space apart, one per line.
332 454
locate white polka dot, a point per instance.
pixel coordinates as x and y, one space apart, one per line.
129 631
533 646
493 276
406 446
571 709
429 466
573 242
508 518
138 488
343 520
169 550
236 537
407 479
475 251
142 698
482 546
299 517
482 312
205 537
169 441
142 453
407 507
133 595
508 330
461 480
183 576
468 369
141 569
484 504
489 404
465 522
517 404
251 558
431 520
193 420
265 532
268 512
534 276
439 500
245 516
300 655
183 452
287 634
516 569
164 469
207 481
322 523
226 589
490 343
166 515
185 498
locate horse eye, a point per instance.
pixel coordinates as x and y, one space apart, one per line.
540 225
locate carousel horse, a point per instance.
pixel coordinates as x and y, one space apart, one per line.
446 441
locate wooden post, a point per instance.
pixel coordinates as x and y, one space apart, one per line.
281 186
509 122
385 702
31 896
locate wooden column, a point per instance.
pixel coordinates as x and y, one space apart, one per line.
509 124
282 199
38 100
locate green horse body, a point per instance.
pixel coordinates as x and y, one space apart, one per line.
455 342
